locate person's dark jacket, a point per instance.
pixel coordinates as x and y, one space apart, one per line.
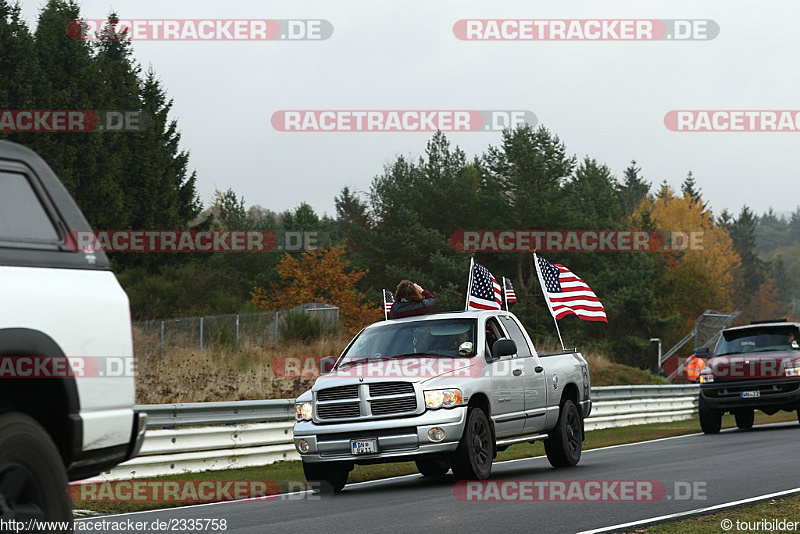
407 308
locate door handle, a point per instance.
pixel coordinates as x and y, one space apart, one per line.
539 369
517 372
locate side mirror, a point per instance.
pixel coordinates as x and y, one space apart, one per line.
503 347
702 352
326 364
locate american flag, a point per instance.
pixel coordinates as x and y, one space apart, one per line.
388 300
511 297
484 292
567 294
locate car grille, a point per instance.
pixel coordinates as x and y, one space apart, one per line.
390 406
339 410
378 400
719 389
391 388
342 392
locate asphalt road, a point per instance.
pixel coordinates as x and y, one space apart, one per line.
731 466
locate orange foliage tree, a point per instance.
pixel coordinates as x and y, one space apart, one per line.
692 279
320 275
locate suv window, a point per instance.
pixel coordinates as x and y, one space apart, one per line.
518 337
22 216
493 333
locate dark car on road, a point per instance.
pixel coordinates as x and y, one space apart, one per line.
752 367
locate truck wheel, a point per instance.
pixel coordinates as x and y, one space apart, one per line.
433 465
472 460
33 480
564 445
710 420
744 418
326 477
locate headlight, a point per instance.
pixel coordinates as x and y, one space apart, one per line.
443 398
303 411
706 376
792 369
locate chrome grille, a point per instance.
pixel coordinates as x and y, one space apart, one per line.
392 406
341 392
391 388
339 410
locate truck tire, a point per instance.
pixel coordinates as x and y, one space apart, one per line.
433 465
710 420
565 443
326 477
744 418
472 460
33 479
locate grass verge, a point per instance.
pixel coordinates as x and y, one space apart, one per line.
289 475
787 508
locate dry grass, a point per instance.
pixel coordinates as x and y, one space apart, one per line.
220 373
227 373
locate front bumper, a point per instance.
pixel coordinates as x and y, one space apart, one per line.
406 436
775 393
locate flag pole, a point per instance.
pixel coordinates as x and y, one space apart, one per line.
547 300
385 314
505 294
469 284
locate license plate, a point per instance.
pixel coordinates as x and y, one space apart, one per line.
364 446
750 394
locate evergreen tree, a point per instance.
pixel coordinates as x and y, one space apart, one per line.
632 190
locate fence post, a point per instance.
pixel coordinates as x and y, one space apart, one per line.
236 341
161 340
201 332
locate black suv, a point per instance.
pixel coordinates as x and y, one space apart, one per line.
752 367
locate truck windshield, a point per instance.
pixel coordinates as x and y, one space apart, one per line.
759 339
444 338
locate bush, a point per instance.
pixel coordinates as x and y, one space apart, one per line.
300 326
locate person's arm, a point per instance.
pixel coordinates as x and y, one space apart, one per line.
418 307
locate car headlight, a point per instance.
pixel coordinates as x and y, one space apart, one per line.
443 398
706 376
303 411
792 369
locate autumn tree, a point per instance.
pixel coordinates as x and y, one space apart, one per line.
694 275
321 275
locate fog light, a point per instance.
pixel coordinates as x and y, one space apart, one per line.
303 446
436 434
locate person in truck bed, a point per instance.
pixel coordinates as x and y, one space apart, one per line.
410 299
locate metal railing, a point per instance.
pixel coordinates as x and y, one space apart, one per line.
195 437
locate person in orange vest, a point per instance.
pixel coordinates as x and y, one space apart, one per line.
693 367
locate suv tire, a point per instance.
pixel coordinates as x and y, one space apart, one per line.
565 443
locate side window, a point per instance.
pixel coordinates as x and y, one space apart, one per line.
519 338
493 333
22 216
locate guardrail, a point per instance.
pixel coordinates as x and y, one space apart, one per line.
187 438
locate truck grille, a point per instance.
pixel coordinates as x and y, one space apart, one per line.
342 392
391 388
390 406
339 410
365 401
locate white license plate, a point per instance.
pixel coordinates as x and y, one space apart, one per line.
750 394
364 446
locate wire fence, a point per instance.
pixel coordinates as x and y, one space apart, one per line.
260 328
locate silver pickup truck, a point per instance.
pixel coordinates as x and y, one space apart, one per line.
447 391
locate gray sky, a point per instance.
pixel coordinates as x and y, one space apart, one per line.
604 99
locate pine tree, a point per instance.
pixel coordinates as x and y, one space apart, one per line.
632 190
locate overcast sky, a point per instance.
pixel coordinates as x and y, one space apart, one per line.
604 99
